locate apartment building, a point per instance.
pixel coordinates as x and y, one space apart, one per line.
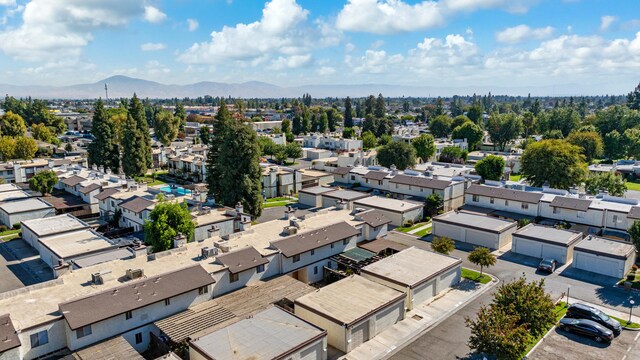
280 181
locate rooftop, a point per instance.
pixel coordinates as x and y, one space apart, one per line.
549 234
350 299
316 190
243 259
270 334
73 180
480 222
136 204
13 195
89 188
571 203
75 243
112 349
25 205
342 170
420 181
54 225
373 218
306 241
134 295
506 194
610 248
8 337
379 245
376 175
411 267
9 187
385 203
102 257
106 193
213 216
347 195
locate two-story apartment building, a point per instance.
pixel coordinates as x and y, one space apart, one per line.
280 181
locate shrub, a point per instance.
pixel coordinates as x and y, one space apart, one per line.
16 226
408 223
3 228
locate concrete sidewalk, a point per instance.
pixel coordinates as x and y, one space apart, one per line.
419 320
429 225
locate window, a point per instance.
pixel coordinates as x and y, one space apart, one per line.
39 338
83 331
332 245
556 210
233 278
260 268
345 241
315 270
524 206
138 338
476 198
313 252
128 315
615 219
491 200
203 290
353 177
296 258
506 203
167 302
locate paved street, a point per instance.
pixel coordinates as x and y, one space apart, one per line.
448 340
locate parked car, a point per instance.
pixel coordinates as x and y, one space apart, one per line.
582 311
586 327
548 265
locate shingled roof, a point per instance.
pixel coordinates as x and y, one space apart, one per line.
106 193
73 180
374 218
243 259
570 203
376 175
300 243
420 181
506 194
136 204
8 337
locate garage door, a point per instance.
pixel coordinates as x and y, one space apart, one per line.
359 335
449 279
481 238
450 231
554 252
388 318
597 264
527 247
424 292
307 199
313 353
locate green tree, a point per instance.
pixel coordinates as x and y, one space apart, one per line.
632 142
348 133
369 141
440 127
370 124
26 148
555 162
42 132
453 154
590 142
166 126
442 245
323 123
68 147
104 149
614 145
384 140
433 204
296 126
491 167
12 125
134 162
459 120
633 99
348 113
180 116
425 146
293 151
286 126
528 122
634 234
43 182
504 128
482 257
137 112
496 332
205 135
380 109
7 148
166 221
400 154
267 146
476 112
470 131
614 184
565 119
306 123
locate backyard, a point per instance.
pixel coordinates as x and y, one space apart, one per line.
279 201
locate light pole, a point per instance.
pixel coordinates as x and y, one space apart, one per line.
568 290
631 302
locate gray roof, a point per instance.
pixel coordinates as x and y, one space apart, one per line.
374 218
570 203
136 204
549 235
25 205
634 213
411 267
73 180
270 334
112 349
102 257
89 188
420 181
8 337
342 170
106 193
347 195
54 225
306 241
473 221
605 247
241 260
376 175
316 190
506 194
134 295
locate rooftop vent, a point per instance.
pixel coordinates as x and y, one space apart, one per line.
134 274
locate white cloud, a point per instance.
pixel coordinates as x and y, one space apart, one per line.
152 46
606 21
193 24
514 6
326 71
520 33
281 38
61 28
153 15
448 56
376 62
154 67
7 2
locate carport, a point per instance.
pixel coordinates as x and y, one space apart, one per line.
545 242
474 229
603 256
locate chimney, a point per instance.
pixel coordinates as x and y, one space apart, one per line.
179 241
239 208
341 204
289 213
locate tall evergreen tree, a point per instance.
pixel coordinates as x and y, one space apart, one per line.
180 114
379 111
133 158
296 126
137 112
348 113
369 103
103 150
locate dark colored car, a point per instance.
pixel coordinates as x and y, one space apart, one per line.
586 327
582 311
548 265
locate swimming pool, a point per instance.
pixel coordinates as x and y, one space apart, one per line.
179 190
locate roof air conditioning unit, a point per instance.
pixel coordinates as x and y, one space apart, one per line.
207 252
97 279
134 274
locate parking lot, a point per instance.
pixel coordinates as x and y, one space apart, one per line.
564 345
20 265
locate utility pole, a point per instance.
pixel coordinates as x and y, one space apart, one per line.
106 92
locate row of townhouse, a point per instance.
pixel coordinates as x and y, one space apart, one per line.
280 181
405 184
189 166
23 170
86 183
126 297
603 211
321 141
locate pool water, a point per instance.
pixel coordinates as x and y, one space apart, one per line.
179 190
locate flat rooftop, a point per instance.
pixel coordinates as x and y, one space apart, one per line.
316 190
13 195
114 348
549 234
9 187
479 222
54 225
103 257
214 216
411 267
26 205
385 203
270 334
75 243
350 299
347 195
604 247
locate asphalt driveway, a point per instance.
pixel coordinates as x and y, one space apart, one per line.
560 344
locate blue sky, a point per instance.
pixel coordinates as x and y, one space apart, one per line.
591 45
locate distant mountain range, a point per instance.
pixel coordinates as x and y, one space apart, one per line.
123 86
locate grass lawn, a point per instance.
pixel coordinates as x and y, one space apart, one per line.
409 228
635 186
624 323
635 284
9 232
10 237
149 180
475 276
280 201
423 232
560 310
515 177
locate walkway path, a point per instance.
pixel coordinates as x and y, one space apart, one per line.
420 228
